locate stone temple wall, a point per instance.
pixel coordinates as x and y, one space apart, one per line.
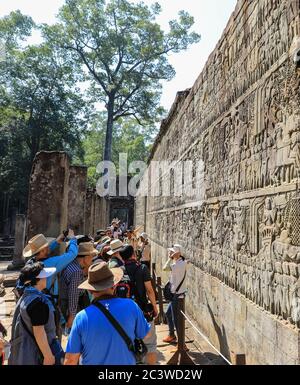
241 119
58 198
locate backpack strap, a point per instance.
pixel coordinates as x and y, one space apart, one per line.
179 286
115 324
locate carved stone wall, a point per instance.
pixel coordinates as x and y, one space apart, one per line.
48 194
242 120
59 198
77 198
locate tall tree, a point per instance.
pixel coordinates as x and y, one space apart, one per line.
40 108
124 53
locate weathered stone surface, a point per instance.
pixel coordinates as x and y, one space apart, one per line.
20 233
48 194
241 119
77 198
59 198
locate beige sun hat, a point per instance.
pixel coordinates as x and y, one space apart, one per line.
101 277
87 248
36 244
105 240
115 246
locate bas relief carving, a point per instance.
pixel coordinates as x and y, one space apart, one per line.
247 122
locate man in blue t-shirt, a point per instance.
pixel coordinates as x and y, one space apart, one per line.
92 336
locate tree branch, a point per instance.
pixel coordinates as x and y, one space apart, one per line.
92 70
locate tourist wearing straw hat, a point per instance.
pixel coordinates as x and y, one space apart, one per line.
38 249
115 247
93 337
72 299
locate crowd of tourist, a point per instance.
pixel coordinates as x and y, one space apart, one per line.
98 293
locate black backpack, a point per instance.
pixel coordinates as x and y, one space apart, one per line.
126 288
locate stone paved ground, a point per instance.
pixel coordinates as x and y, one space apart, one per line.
199 350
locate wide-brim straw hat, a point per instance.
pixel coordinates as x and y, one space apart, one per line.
115 246
87 248
36 244
104 240
101 277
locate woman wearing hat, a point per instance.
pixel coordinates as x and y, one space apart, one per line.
33 327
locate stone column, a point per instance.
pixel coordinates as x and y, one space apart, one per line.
48 194
77 198
88 212
20 231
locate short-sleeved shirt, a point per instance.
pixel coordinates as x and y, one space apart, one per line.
38 312
140 274
71 278
98 342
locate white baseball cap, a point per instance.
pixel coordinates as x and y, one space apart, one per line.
47 272
176 248
145 236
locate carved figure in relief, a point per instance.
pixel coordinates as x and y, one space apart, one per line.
286 306
295 303
257 286
244 280
278 286
265 290
269 213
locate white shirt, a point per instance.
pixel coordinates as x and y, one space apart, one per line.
146 252
178 270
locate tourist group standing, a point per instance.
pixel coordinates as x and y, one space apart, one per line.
98 293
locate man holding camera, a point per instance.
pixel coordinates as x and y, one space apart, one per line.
39 249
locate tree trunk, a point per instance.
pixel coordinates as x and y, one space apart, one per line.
109 132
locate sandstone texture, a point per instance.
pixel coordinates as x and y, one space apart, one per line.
241 121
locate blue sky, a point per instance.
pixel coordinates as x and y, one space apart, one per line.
211 17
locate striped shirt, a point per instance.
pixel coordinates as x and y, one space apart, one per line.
71 278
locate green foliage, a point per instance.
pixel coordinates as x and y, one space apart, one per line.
123 53
40 108
127 138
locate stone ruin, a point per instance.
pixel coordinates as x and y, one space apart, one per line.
59 198
242 120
